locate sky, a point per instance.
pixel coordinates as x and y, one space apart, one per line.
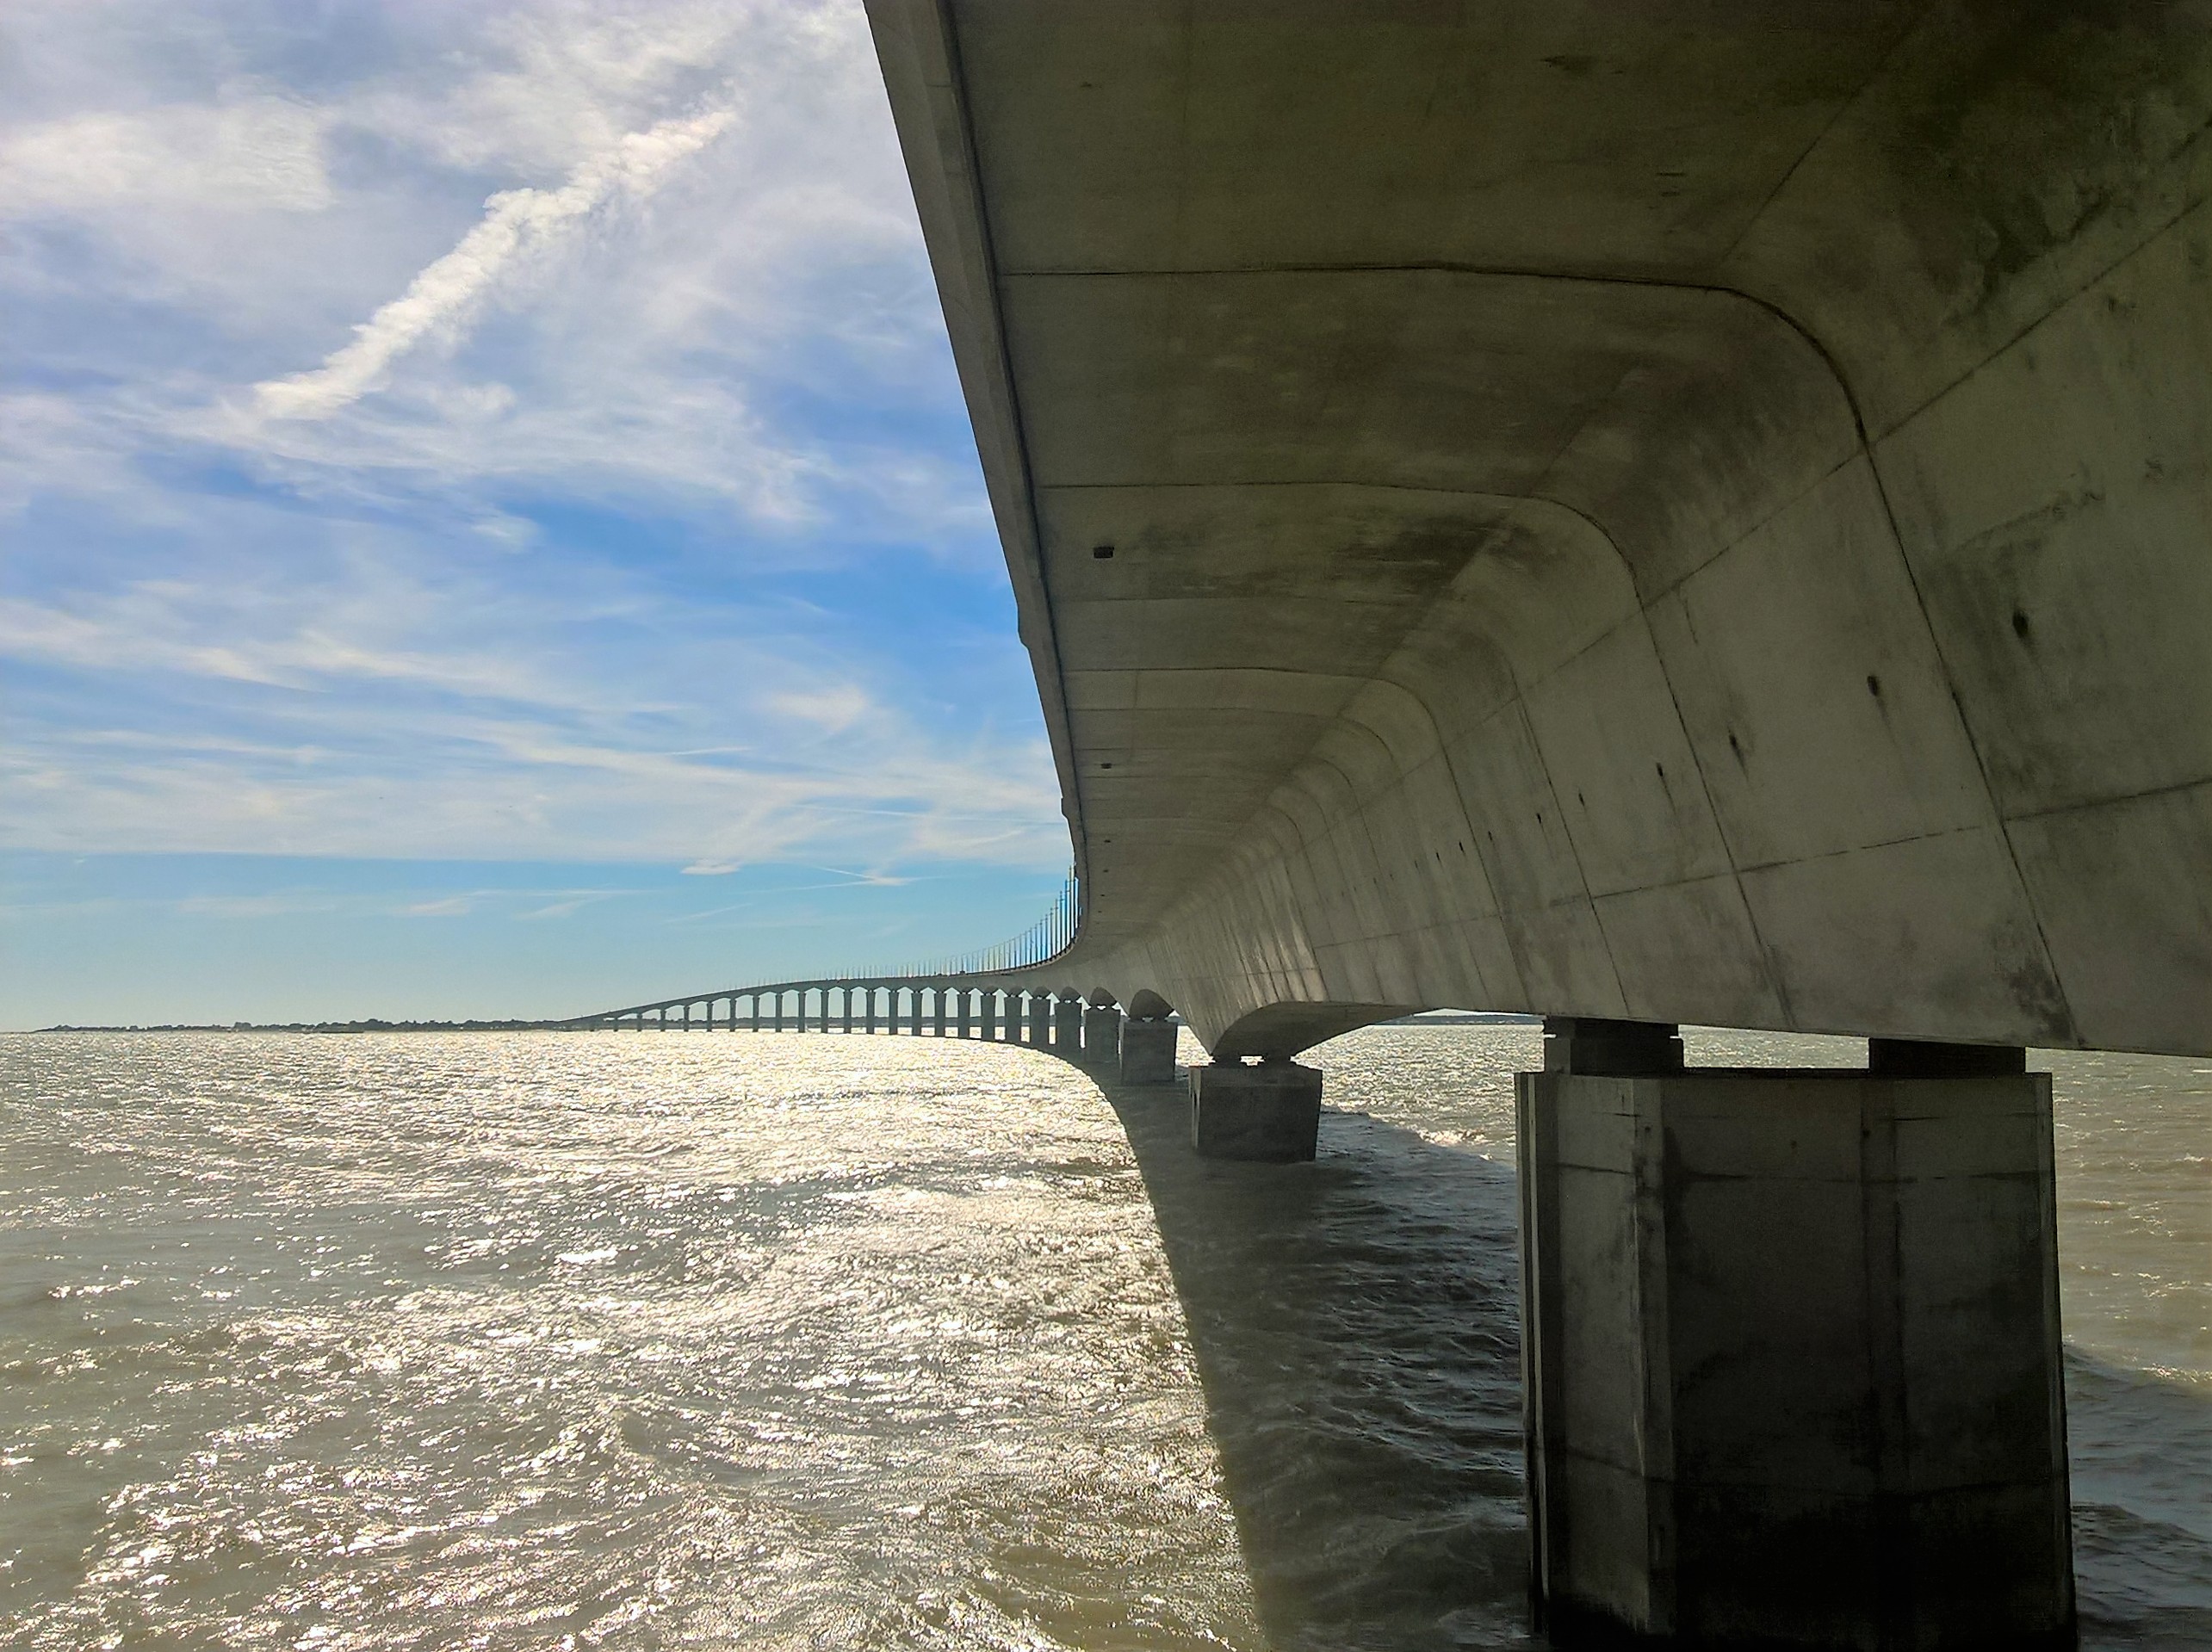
487 522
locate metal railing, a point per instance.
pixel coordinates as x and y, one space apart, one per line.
1043 941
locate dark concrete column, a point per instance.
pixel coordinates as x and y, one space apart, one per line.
914 1009
1101 1034
963 1020
1067 1026
1040 1021
990 1015
1790 1344
1148 1050
1271 1111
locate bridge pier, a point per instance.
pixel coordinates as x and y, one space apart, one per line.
1270 1111
1067 1026
1040 1021
1102 1033
1148 1050
990 1024
964 1024
1791 1352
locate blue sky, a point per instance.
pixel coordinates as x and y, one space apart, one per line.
487 523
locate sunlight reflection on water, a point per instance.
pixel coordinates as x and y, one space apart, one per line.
606 1340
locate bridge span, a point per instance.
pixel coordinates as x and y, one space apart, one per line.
1636 514
1073 1024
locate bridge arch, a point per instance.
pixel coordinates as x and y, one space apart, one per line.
1277 1031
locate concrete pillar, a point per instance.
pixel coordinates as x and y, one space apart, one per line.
1147 1051
1101 1034
1271 1112
1040 1021
937 1017
1067 1026
1790 1348
989 1023
966 1027
848 1008
914 1010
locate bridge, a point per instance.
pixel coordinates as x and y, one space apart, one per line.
1067 1022
1637 517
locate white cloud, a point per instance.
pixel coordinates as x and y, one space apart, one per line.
457 905
833 710
264 609
257 154
517 223
367 710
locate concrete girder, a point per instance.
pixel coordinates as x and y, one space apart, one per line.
1730 506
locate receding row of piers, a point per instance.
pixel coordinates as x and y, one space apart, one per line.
1065 1022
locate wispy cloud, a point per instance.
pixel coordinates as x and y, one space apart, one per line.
517 223
513 430
257 154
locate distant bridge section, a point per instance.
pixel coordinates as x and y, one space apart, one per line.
944 1007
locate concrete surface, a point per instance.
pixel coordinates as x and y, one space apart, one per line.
1147 1051
1269 1111
1791 1358
1101 1034
1588 510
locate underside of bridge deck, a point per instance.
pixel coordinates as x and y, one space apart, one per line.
1604 509
1640 514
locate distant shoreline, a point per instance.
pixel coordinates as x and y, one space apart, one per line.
370 1026
1426 1018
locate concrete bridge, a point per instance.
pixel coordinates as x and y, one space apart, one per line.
1071 1024
1638 517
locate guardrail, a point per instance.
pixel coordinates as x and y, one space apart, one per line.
1041 941
1040 944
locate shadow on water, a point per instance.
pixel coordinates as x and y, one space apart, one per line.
1356 1323
1356 1328
2140 1446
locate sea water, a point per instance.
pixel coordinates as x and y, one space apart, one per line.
626 1340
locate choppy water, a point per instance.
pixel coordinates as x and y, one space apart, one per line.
748 1339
